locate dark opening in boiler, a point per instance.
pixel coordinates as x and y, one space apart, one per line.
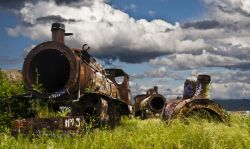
51 69
157 103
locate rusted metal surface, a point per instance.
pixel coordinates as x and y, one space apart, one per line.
58 32
182 108
203 87
37 125
150 104
189 88
64 71
92 107
123 86
199 101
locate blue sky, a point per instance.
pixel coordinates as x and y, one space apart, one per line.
171 10
157 42
12 48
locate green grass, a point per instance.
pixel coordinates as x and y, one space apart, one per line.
152 133
131 134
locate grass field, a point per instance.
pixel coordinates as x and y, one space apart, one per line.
153 133
130 134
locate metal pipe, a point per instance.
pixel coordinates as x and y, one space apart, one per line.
58 31
155 103
203 87
150 104
189 88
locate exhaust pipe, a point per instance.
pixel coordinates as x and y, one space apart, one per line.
203 87
58 32
189 88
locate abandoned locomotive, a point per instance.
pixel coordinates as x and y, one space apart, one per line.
69 74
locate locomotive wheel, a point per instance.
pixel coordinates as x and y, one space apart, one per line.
114 114
205 114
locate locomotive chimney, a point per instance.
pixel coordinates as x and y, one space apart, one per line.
189 88
58 31
156 89
203 86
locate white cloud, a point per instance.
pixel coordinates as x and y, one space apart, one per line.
28 49
229 10
106 29
234 90
190 61
229 76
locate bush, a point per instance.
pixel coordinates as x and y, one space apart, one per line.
13 106
7 104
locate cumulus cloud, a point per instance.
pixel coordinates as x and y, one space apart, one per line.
226 32
229 76
205 24
113 34
110 32
234 90
230 9
15 5
161 72
190 61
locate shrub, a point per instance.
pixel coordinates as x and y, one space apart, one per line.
7 105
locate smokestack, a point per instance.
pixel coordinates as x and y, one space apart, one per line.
156 89
58 32
189 88
203 86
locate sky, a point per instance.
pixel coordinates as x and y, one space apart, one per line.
157 42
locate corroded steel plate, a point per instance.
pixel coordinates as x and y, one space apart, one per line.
37 124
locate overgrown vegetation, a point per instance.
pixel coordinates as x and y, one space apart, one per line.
132 133
12 107
153 133
37 86
7 90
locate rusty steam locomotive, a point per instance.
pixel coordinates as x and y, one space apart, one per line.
70 75
195 101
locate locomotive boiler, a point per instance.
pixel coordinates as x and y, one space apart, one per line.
150 104
72 75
